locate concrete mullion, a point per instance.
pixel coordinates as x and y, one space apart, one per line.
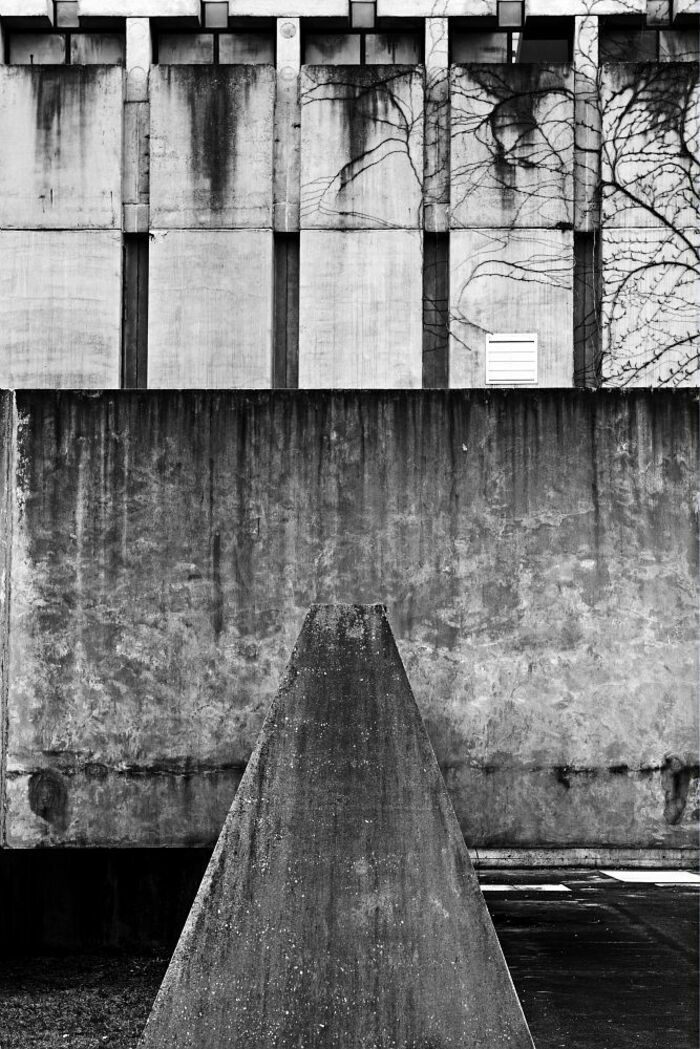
436 172
287 145
587 119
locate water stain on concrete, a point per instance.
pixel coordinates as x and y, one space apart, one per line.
48 797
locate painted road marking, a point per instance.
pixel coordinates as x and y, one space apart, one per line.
525 888
655 877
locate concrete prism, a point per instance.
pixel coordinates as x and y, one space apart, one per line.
340 907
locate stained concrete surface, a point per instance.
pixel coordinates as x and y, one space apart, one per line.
537 551
340 909
609 967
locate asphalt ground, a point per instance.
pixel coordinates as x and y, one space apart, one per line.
604 965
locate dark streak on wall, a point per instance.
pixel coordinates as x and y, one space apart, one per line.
536 551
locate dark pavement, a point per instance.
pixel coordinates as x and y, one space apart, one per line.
604 966
607 965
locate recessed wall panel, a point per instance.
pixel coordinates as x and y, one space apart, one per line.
511 281
210 309
360 315
60 309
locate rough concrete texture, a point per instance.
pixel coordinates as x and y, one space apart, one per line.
649 307
650 158
210 309
7 427
340 908
60 308
211 146
61 129
361 147
537 551
512 148
360 309
511 280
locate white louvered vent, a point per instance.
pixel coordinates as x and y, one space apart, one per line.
511 360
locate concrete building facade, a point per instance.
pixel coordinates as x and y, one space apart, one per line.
295 299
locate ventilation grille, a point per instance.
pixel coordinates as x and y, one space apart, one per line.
511 360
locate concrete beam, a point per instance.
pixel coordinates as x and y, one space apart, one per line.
685 7
27 9
581 8
342 812
435 8
139 8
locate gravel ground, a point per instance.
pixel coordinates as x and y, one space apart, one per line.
78 1002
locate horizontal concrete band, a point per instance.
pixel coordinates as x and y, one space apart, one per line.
641 859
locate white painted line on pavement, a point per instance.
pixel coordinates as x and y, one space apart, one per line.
525 888
655 877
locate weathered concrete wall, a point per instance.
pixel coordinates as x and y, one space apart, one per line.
211 146
360 309
7 435
512 155
61 130
210 309
650 166
515 280
60 308
536 551
361 147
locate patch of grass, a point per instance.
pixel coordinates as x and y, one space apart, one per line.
77 1002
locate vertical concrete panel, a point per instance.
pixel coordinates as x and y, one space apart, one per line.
512 150
649 307
60 308
537 551
210 309
211 146
511 281
360 311
61 129
361 147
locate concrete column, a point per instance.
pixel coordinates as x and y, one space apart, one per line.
2 44
436 186
135 188
287 152
587 125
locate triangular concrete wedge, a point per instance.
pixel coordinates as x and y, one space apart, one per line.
340 909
